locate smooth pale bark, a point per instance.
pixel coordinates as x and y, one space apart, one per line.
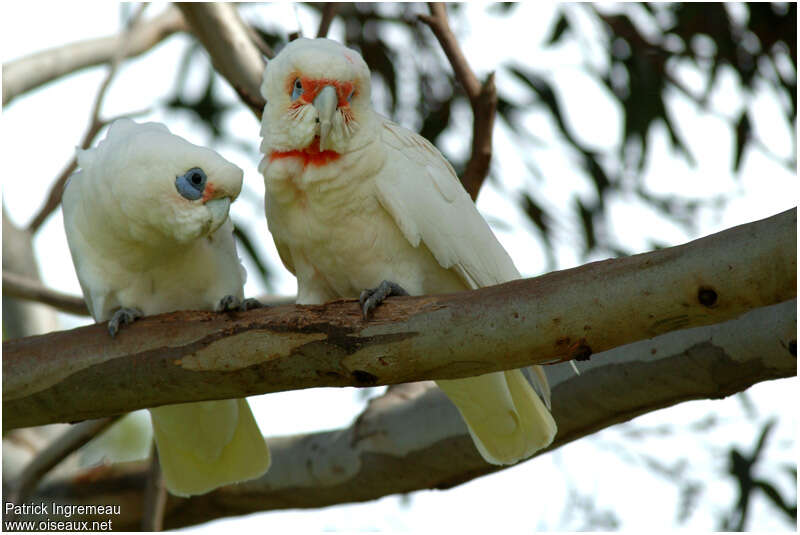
22 318
234 55
412 437
193 356
30 72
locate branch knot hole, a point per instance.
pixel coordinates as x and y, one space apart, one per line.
707 296
364 378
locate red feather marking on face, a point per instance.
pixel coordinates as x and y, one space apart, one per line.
312 87
209 192
310 155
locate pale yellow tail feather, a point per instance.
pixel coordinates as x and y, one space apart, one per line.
505 417
205 445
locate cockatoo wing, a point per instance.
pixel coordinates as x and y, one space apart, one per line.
420 190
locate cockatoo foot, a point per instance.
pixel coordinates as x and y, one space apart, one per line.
372 297
228 303
122 316
250 303
231 303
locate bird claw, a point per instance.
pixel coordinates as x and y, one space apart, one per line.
228 303
250 303
372 297
231 303
122 316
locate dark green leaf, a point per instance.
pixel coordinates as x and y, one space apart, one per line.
742 136
587 221
562 24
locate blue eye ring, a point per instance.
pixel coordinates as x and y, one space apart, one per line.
297 89
191 184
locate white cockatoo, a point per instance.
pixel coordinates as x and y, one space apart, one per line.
356 202
146 219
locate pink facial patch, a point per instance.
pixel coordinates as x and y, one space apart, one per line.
209 191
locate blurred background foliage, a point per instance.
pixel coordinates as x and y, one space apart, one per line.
644 46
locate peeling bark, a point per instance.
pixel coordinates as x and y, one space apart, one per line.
194 356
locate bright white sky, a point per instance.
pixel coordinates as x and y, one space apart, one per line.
39 132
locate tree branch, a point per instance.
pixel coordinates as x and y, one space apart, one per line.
194 356
412 437
155 495
328 12
30 72
226 38
22 319
57 189
23 287
95 123
482 98
57 451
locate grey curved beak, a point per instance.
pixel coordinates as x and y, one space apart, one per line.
325 103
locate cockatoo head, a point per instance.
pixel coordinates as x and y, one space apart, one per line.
155 187
317 90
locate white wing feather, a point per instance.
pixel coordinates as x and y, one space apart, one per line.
421 191
430 205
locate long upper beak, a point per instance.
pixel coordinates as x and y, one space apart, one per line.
326 103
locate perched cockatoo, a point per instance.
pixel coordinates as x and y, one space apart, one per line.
147 223
355 201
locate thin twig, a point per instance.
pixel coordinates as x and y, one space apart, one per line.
95 125
482 98
23 287
328 12
155 495
438 23
56 190
57 451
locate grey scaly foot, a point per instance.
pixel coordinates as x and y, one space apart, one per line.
372 297
250 303
231 303
122 316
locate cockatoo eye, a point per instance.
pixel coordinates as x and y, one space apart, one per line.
350 96
191 184
297 89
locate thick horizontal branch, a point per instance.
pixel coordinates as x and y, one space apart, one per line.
30 72
412 438
229 44
193 356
